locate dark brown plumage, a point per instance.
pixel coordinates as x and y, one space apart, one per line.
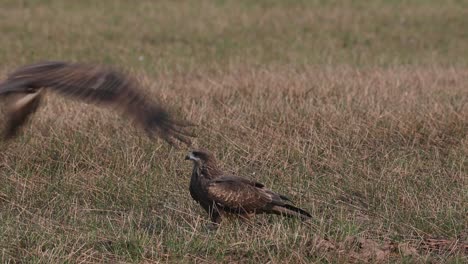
90 83
221 194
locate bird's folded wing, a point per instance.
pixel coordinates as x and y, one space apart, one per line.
234 194
233 178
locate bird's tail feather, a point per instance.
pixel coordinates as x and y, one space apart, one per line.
291 211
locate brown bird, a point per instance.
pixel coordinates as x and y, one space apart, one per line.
220 194
92 83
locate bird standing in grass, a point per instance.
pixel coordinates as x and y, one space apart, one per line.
97 84
220 194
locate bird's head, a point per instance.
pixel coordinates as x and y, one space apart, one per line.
199 156
204 163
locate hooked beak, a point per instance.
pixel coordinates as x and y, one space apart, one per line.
189 156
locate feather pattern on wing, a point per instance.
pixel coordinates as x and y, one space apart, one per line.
238 194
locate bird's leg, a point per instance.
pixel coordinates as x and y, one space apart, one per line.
215 214
26 99
215 219
19 112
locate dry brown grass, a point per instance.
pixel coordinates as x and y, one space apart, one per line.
370 153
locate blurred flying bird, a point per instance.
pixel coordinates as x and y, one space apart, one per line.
220 194
90 83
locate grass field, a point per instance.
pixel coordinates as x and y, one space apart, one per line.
358 111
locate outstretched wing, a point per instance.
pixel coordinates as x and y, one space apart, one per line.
237 194
101 85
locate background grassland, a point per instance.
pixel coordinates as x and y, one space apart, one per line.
357 110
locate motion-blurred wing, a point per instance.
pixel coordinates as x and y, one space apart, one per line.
100 85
